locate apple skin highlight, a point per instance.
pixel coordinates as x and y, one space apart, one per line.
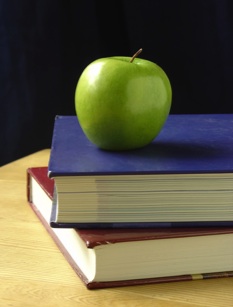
122 105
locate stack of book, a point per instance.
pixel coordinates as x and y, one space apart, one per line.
156 214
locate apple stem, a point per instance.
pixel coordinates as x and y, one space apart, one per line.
135 55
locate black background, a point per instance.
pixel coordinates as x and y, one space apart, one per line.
46 44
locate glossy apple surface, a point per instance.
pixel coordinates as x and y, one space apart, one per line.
122 105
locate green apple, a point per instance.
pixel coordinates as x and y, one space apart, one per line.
122 103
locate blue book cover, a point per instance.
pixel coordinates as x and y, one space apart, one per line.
187 145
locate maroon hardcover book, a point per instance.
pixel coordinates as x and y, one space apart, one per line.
105 258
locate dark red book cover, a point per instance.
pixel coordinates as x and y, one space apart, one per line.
94 237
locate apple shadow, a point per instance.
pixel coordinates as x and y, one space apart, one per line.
161 150
177 150
189 155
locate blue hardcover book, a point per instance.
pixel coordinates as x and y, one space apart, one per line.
184 177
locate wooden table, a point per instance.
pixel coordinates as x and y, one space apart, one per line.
33 272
